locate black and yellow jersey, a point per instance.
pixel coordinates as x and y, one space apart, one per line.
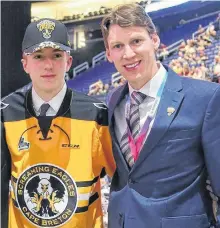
54 162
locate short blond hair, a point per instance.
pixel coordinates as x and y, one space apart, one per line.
127 15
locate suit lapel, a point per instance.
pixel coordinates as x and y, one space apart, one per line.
114 100
171 97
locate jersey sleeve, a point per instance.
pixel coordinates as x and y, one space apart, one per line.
106 155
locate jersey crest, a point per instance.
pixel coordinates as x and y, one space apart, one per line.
46 195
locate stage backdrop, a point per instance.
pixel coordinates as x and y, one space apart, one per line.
15 16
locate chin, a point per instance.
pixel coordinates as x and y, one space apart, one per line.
49 88
135 77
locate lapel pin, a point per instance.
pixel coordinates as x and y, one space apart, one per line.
170 111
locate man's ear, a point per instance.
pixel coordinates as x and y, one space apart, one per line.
108 55
156 41
24 64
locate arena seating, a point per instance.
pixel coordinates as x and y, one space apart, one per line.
184 31
102 71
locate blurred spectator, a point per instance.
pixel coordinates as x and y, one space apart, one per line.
207 38
186 69
95 88
115 84
216 69
98 88
192 71
121 81
177 68
190 48
203 56
200 29
200 44
210 31
204 71
182 46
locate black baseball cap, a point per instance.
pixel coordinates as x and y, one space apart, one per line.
45 33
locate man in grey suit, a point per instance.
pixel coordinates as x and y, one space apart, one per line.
165 131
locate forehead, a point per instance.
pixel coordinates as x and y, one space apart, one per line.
118 32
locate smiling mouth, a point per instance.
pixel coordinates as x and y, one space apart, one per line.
132 66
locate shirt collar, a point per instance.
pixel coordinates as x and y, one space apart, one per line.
54 103
151 87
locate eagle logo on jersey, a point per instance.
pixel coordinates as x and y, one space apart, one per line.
44 198
46 27
46 195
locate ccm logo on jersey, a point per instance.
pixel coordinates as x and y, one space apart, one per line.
73 146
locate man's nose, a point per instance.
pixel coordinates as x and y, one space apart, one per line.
128 53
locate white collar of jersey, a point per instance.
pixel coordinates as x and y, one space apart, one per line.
54 103
151 87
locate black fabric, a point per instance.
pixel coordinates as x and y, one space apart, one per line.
45 123
15 17
75 105
5 177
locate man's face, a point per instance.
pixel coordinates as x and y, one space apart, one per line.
132 50
47 68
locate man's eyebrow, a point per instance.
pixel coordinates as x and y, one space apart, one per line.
115 42
56 50
39 51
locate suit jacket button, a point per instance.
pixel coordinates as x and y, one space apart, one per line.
130 181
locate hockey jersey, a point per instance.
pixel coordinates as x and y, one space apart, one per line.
53 164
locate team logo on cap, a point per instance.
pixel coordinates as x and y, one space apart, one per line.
46 27
46 195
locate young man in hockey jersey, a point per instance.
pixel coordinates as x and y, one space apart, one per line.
55 141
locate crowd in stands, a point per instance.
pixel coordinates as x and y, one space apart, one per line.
191 61
215 68
99 88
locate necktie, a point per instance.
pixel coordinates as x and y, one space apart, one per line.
43 109
134 122
136 99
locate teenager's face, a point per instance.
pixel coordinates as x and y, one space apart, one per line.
47 68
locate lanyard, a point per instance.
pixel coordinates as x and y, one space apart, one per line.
136 145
